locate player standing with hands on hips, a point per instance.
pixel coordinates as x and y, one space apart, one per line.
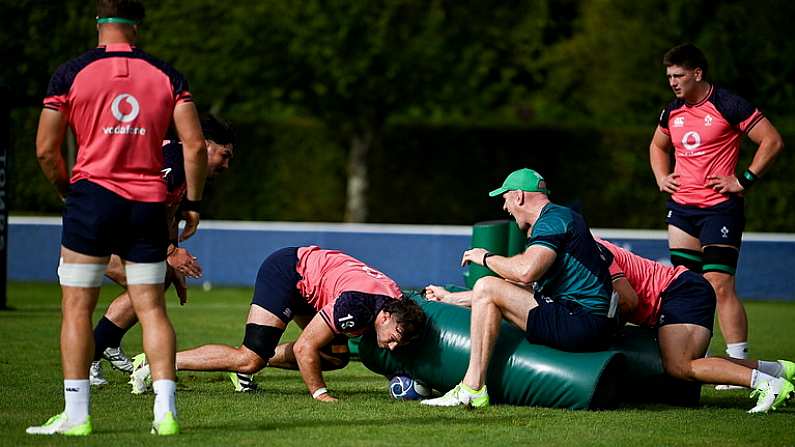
120 102
704 126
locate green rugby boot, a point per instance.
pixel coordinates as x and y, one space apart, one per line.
167 426
771 395
788 370
243 383
461 395
60 426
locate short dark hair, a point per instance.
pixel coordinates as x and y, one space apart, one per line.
409 317
218 130
686 55
125 9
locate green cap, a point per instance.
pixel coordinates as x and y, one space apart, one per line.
523 180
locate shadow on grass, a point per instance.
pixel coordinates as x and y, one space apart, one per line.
323 424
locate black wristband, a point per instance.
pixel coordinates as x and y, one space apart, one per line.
190 205
747 179
486 256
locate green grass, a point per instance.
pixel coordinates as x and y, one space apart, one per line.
283 413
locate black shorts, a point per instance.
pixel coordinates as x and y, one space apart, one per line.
99 222
722 224
689 299
568 326
276 287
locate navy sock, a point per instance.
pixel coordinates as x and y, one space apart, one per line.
106 335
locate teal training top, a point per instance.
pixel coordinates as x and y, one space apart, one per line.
580 271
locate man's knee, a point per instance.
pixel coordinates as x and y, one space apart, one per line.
262 341
486 286
249 362
679 369
723 285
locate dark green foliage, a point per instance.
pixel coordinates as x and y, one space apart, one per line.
454 94
441 175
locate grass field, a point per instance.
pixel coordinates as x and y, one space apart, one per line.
283 414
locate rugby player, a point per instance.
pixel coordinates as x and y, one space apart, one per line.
704 125
681 305
120 316
334 293
567 309
119 101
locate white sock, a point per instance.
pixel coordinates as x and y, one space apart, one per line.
77 398
165 398
774 369
759 379
737 350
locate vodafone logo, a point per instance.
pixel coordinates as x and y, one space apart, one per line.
131 102
691 140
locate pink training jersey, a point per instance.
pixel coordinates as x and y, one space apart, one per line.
119 101
706 138
648 278
327 275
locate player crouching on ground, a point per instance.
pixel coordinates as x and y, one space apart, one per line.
219 137
334 293
681 305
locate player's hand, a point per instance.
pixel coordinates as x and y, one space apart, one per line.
474 255
180 287
724 184
184 262
191 219
435 293
326 397
669 183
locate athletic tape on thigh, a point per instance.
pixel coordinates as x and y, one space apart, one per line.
80 275
262 339
720 259
142 273
692 259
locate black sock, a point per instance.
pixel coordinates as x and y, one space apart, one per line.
106 335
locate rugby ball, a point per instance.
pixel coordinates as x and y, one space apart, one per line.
402 387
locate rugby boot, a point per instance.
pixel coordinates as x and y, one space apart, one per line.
166 427
771 395
58 425
118 359
95 377
461 395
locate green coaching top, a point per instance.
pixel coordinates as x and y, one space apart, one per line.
579 274
580 271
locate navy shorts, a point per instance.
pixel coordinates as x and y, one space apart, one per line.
99 222
568 326
722 224
276 287
689 299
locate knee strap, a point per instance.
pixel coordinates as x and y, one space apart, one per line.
80 275
692 259
720 259
262 339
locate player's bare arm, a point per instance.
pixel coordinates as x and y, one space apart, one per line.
50 135
659 154
627 298
521 269
307 348
186 120
770 145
